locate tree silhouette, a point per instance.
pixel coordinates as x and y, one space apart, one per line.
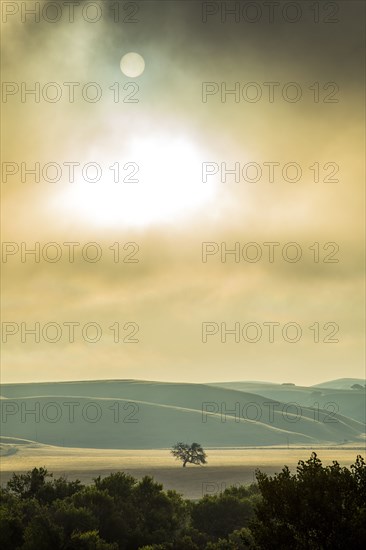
193 454
318 507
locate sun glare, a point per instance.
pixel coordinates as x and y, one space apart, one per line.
158 181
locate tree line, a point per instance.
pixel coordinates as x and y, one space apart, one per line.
315 508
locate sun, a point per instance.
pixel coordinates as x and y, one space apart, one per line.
158 181
132 64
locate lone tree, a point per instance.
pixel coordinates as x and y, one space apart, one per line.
194 454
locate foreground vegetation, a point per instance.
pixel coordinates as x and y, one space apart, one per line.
316 508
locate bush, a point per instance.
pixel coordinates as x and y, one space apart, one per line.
316 508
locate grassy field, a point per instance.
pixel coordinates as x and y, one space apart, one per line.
225 466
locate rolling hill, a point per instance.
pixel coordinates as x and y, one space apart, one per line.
335 395
130 414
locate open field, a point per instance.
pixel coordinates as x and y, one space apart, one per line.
241 425
225 466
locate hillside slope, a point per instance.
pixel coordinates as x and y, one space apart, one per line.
129 414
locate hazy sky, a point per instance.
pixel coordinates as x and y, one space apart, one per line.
296 128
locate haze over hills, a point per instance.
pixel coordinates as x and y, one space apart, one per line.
347 401
341 383
133 414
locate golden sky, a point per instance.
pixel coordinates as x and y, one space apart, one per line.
172 136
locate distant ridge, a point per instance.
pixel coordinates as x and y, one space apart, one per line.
341 383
